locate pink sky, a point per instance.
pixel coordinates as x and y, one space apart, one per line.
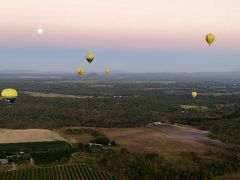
121 24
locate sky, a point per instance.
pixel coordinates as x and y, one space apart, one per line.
124 35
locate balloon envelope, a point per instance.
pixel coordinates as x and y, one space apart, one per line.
210 38
9 95
194 94
80 71
107 71
89 57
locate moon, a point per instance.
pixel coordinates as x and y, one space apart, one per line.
40 31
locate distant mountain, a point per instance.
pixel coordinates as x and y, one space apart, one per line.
118 75
12 71
200 76
92 76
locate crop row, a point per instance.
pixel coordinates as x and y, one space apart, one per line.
62 172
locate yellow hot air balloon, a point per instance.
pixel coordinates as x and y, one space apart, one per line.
210 38
9 95
194 94
80 71
89 57
107 71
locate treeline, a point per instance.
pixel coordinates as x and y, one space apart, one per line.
32 112
125 165
83 87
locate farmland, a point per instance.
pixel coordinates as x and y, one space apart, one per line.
122 111
42 152
78 134
150 140
28 135
61 172
34 146
186 107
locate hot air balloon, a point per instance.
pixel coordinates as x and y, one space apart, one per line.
107 71
194 94
210 38
80 71
89 57
9 95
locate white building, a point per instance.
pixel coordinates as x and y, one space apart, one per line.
156 123
3 161
94 144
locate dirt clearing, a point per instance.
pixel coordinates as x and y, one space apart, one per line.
28 135
151 140
147 139
187 132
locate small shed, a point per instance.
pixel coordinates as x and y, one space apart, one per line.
94 144
156 123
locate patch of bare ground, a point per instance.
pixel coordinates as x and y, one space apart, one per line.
28 135
230 177
74 139
150 140
147 139
5 167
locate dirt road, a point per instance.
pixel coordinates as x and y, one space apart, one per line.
190 133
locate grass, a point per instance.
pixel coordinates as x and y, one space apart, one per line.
78 135
196 107
187 107
230 177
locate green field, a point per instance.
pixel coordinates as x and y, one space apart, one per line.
62 172
194 107
41 152
34 146
186 107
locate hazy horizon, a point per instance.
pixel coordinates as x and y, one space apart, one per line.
30 71
130 36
